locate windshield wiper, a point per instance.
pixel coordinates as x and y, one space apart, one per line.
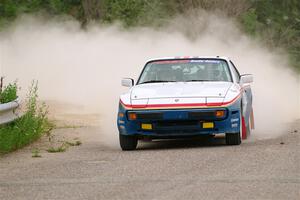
156 81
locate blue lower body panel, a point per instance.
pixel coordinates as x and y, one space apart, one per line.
179 122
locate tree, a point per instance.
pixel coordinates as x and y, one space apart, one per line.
91 10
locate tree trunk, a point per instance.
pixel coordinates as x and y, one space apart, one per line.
92 10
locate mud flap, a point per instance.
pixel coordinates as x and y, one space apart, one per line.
252 125
244 129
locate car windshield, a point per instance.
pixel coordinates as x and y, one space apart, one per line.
186 71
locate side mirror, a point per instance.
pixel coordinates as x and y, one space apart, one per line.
127 82
246 78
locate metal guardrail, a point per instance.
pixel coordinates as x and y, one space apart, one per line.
8 111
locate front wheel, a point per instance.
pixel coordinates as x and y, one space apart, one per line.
128 142
233 138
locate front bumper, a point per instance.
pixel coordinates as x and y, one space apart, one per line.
179 122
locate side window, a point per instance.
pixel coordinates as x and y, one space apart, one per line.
235 72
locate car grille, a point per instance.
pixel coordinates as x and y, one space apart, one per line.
202 115
167 124
177 127
149 116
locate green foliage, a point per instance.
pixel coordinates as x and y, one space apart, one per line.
27 128
249 21
10 9
275 22
57 6
75 143
123 10
36 153
61 148
133 12
9 93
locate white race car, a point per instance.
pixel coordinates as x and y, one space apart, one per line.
184 97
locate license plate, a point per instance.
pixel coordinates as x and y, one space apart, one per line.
146 126
207 125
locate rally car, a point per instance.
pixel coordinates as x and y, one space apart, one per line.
184 97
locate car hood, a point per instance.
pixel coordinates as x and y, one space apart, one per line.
180 90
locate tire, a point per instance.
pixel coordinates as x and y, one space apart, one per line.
233 138
128 143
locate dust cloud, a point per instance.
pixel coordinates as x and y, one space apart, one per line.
79 71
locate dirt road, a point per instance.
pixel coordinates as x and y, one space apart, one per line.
185 169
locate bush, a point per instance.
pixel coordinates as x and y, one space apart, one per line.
27 128
126 11
9 93
249 21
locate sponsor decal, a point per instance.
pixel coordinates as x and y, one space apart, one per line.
235 120
234 125
186 61
121 121
205 61
171 61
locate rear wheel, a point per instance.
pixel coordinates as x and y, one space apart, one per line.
128 142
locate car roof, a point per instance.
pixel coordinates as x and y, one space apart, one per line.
189 57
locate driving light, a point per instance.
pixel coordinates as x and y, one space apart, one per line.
146 126
132 116
208 125
121 115
220 113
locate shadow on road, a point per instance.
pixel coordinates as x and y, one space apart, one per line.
198 142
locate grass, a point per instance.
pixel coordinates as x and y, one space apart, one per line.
68 127
36 153
28 128
75 143
61 148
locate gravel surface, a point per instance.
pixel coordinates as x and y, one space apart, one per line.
181 169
